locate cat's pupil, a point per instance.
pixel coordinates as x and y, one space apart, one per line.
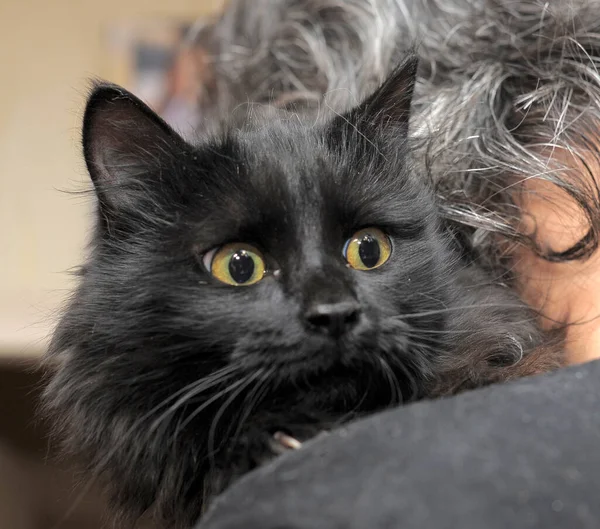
241 267
369 251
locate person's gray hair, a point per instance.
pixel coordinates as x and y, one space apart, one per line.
503 86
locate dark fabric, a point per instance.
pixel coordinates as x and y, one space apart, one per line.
523 455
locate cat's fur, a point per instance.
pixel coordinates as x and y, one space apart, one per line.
170 383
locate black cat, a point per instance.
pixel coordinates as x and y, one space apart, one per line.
282 277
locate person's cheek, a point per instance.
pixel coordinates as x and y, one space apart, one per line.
567 292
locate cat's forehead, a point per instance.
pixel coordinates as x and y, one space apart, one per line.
288 181
263 183
288 159
292 146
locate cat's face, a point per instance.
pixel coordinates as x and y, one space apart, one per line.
286 263
261 257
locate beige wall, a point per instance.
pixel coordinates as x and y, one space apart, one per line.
48 49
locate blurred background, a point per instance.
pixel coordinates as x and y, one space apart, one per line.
49 50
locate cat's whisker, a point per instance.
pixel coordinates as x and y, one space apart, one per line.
352 413
189 391
419 332
206 404
195 389
395 389
100 466
411 368
435 312
254 398
223 408
411 379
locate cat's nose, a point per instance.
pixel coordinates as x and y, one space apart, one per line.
333 318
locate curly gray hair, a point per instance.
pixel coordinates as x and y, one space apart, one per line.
504 86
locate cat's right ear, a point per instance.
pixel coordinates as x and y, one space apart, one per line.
128 148
384 113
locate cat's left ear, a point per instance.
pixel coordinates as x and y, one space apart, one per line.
129 150
388 106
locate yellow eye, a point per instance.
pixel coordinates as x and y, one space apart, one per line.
236 264
367 249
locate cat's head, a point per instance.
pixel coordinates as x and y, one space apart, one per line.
283 264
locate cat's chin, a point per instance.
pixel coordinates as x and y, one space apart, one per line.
338 389
316 357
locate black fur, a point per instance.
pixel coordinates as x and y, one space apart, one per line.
171 384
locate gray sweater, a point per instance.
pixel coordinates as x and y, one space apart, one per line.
522 455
